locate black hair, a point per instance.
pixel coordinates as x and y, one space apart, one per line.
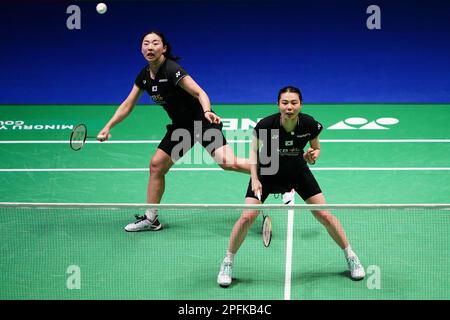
290 89
168 54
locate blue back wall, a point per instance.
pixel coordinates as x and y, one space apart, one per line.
238 51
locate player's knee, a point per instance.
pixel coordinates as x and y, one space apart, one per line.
234 166
248 219
157 168
324 217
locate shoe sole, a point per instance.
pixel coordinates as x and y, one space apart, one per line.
156 229
222 285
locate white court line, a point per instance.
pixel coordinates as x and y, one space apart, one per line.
230 141
289 249
205 169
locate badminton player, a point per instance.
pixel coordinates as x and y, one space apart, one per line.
189 108
282 137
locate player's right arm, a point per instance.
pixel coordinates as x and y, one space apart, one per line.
122 112
313 153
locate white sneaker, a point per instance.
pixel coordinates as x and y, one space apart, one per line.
224 278
288 197
356 268
144 224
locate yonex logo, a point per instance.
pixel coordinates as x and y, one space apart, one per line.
178 74
364 124
144 81
289 143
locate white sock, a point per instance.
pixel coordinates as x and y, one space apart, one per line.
151 214
349 252
229 257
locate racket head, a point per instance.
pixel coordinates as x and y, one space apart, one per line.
267 230
78 137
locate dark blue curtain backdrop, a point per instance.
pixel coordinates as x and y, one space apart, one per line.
238 51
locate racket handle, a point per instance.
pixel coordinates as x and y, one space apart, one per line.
102 137
258 195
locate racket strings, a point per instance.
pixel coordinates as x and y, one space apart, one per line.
78 137
267 231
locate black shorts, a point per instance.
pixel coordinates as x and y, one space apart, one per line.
303 182
178 140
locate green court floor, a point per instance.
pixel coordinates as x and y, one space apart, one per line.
405 162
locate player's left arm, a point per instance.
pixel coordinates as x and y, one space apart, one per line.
188 84
313 152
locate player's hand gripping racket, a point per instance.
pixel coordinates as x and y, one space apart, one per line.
79 136
267 225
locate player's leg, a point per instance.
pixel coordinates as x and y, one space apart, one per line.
215 143
237 237
330 222
336 232
175 143
226 159
311 193
242 226
160 164
308 188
